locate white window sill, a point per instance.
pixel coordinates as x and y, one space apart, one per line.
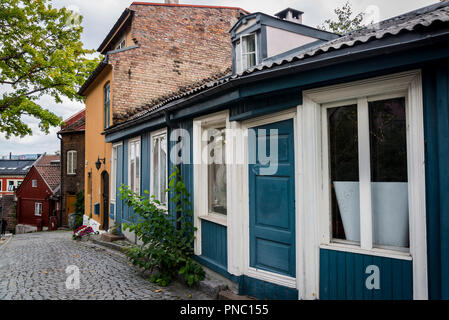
377 252
216 218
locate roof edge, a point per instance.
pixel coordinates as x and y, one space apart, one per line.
187 5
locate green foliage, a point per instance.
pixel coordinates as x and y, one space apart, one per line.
345 22
167 239
41 53
79 210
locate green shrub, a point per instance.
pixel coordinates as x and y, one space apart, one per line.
167 240
79 210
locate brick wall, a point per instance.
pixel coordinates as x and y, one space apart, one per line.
71 184
8 212
178 47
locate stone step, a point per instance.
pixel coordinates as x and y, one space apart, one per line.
231 296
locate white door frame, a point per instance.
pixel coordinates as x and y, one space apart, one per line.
244 191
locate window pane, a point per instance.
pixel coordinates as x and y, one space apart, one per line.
156 168
163 175
344 173
389 187
217 172
249 43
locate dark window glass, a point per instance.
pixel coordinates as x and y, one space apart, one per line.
389 187
344 171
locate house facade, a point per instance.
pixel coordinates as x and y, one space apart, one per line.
152 50
38 196
12 173
72 136
318 173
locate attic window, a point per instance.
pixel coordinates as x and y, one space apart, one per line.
246 52
121 44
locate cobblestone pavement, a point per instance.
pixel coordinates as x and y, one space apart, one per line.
33 267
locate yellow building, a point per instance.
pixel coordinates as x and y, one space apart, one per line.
153 49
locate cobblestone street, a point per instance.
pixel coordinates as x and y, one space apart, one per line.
33 267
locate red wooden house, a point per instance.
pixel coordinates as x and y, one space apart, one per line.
38 195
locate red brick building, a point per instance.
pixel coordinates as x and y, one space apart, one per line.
38 195
72 162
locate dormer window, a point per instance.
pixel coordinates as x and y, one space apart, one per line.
246 54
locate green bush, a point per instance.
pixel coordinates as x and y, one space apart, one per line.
79 210
167 240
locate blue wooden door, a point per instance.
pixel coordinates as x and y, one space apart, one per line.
272 202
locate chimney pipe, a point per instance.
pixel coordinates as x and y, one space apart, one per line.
172 1
291 15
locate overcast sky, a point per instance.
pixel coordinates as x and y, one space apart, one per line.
101 15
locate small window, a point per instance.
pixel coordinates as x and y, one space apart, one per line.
210 137
19 183
107 105
1 185
246 52
11 185
121 45
34 183
71 162
216 171
159 181
38 209
134 166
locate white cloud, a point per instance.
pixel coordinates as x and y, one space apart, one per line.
101 15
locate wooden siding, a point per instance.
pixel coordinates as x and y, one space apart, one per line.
214 243
264 290
343 277
436 126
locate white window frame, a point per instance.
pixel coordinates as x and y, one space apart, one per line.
113 185
201 198
131 141
120 46
242 54
38 209
14 185
315 213
1 185
71 162
155 135
34 183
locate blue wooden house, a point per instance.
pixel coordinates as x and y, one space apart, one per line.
332 176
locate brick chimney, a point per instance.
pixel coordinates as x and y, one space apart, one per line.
172 1
291 15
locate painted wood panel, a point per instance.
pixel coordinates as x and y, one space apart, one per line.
343 276
264 290
214 242
272 203
436 127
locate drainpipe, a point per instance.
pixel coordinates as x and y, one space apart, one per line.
62 181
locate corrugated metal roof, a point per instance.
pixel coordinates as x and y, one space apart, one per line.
408 22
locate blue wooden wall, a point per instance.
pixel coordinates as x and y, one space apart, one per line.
214 244
436 126
343 277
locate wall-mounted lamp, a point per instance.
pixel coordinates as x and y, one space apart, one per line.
98 163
